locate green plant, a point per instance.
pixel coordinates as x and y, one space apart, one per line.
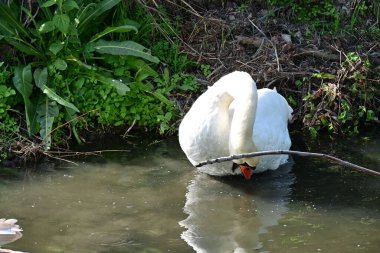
319 15
58 39
243 7
170 54
344 101
360 9
206 69
8 124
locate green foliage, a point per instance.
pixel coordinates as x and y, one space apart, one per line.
58 40
318 14
206 69
8 124
85 57
170 54
344 101
8 98
243 7
147 102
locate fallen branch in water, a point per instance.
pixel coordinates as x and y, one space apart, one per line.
290 152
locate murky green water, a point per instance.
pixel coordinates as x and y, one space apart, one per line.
152 200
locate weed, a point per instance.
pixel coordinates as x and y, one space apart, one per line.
206 69
344 101
58 39
318 15
243 7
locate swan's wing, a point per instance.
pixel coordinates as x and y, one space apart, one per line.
270 131
203 132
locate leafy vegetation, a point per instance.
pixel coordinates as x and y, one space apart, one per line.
347 96
82 64
75 64
344 100
57 41
71 65
321 15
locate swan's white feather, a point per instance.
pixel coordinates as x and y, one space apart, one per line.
270 131
9 231
9 227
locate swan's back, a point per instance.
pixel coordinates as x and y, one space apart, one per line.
270 131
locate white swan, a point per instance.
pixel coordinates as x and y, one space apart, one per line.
233 117
9 231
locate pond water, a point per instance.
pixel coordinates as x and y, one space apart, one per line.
152 200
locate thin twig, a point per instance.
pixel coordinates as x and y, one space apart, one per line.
129 129
273 45
68 122
60 159
290 152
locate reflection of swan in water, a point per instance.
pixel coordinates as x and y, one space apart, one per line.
9 232
228 215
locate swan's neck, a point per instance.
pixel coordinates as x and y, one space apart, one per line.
242 91
242 122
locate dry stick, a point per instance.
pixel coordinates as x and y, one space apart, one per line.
129 129
68 122
273 45
290 152
59 158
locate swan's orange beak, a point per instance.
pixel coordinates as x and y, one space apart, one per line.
247 171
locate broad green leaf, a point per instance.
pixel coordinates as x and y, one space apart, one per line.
79 83
54 96
5 30
6 16
23 47
32 115
46 112
22 81
80 63
47 27
49 3
100 8
162 98
60 64
120 87
142 69
62 22
119 29
40 77
1 37
55 47
69 5
124 48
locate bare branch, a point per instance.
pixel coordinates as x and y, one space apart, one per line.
290 152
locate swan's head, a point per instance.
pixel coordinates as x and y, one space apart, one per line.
247 166
247 170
